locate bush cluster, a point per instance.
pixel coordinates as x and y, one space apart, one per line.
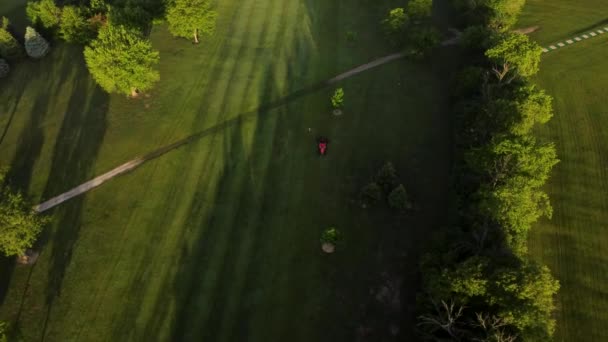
385 184
481 284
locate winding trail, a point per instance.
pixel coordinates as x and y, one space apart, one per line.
135 163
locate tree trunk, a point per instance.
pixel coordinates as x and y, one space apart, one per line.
195 36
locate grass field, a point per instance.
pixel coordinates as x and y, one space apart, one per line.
219 240
559 19
575 242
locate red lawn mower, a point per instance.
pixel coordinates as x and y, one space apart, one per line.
322 145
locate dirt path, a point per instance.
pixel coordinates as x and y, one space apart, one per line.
133 164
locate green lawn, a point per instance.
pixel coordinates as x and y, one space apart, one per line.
561 19
219 240
575 242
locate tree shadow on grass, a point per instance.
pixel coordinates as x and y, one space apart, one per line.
31 138
74 155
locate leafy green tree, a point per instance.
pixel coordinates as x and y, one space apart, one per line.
35 45
131 16
534 107
9 46
44 12
74 26
423 39
504 13
121 61
498 15
4 68
517 169
191 18
516 52
395 26
419 9
398 199
19 224
337 99
525 298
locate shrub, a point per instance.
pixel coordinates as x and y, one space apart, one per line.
387 177
398 199
337 100
35 45
330 235
9 47
4 68
394 26
371 193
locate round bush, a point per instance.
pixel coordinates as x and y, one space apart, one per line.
371 193
398 199
35 45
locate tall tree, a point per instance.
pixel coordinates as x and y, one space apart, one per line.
191 18
44 12
122 61
74 26
515 51
19 224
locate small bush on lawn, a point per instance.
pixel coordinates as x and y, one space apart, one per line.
398 199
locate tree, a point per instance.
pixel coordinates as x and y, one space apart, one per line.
533 107
44 12
74 26
395 26
524 297
35 45
516 169
191 18
337 99
121 61
9 47
4 68
423 39
398 199
419 9
19 224
516 52
504 13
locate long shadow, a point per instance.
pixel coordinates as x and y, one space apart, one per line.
75 152
591 27
31 139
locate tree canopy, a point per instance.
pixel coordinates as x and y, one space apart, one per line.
121 61
74 26
9 47
19 224
44 12
515 51
191 18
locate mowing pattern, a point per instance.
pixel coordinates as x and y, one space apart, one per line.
590 34
133 164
